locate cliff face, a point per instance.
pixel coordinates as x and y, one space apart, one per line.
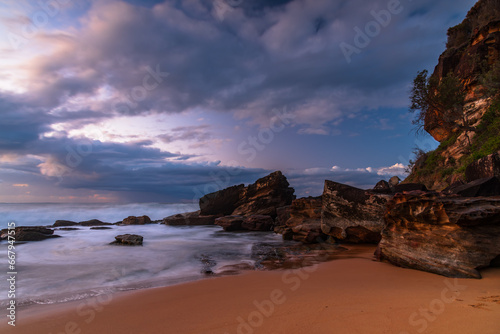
472 56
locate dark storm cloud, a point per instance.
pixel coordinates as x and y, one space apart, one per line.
242 57
286 56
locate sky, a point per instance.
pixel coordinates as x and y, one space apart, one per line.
127 101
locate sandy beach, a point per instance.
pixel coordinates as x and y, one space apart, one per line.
352 295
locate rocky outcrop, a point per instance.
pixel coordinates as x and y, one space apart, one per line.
442 234
190 219
265 195
246 223
352 215
473 47
260 198
482 187
29 233
128 240
301 221
222 202
133 220
472 57
486 167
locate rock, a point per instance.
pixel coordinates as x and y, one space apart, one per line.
93 222
189 218
69 229
265 195
442 234
59 223
133 220
30 233
352 215
402 187
482 187
486 167
246 223
304 221
394 181
382 187
230 223
273 256
221 202
128 240
283 214
258 223
101 228
207 264
235 269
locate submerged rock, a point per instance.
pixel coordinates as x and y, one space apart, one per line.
128 240
190 219
93 222
29 233
62 223
353 215
133 220
446 235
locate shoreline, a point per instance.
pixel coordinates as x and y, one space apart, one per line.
351 295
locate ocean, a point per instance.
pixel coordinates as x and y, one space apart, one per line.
82 264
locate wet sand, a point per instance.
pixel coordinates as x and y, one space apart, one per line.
347 295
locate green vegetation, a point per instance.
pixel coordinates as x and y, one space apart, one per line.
485 142
446 97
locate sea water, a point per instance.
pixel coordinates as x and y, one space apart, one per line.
82 263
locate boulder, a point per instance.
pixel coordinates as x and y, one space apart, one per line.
29 233
222 202
382 187
133 220
258 223
93 222
230 223
353 215
246 223
264 196
63 223
189 218
303 221
443 234
394 181
486 167
128 240
481 187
